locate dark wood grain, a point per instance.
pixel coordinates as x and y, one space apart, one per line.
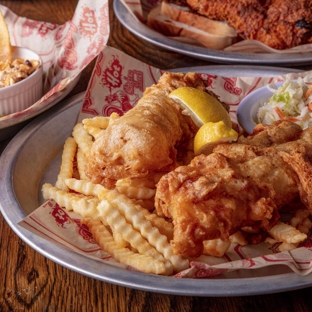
31 282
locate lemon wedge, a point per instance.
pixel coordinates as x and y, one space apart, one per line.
211 134
200 106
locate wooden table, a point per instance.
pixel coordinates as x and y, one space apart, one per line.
30 282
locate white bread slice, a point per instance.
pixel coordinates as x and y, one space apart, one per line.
184 15
170 27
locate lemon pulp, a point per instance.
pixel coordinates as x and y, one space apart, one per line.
200 106
211 134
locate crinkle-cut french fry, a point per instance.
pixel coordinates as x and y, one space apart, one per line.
80 204
81 163
119 240
238 238
286 247
82 138
133 215
94 131
164 227
305 226
216 247
67 165
97 121
118 223
84 187
286 233
124 186
301 221
105 240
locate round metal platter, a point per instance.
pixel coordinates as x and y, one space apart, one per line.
26 163
144 32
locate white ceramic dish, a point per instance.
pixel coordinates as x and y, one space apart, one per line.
32 157
12 124
144 32
248 108
26 92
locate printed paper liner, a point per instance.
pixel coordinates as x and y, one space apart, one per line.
65 49
116 84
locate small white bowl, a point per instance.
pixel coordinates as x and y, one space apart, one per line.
248 108
26 92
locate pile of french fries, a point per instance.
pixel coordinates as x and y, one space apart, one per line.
123 222
119 220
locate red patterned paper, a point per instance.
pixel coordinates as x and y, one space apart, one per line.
117 83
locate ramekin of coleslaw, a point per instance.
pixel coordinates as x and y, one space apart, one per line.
290 101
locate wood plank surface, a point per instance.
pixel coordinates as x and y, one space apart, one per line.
31 282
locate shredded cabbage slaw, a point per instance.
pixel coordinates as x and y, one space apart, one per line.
291 101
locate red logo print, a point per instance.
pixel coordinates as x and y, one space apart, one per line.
60 216
209 79
60 33
229 85
134 80
94 48
45 28
88 25
104 24
28 27
83 231
112 75
117 100
69 57
274 248
87 105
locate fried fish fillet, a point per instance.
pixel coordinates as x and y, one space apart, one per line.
283 131
209 199
294 146
238 185
148 138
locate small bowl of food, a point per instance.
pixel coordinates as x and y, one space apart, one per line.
289 100
21 81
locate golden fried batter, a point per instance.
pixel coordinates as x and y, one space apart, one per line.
209 199
147 138
238 185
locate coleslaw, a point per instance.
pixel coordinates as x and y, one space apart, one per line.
291 101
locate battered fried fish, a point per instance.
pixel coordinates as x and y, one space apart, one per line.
209 199
149 138
238 185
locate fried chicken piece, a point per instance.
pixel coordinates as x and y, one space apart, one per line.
280 24
148 138
209 199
